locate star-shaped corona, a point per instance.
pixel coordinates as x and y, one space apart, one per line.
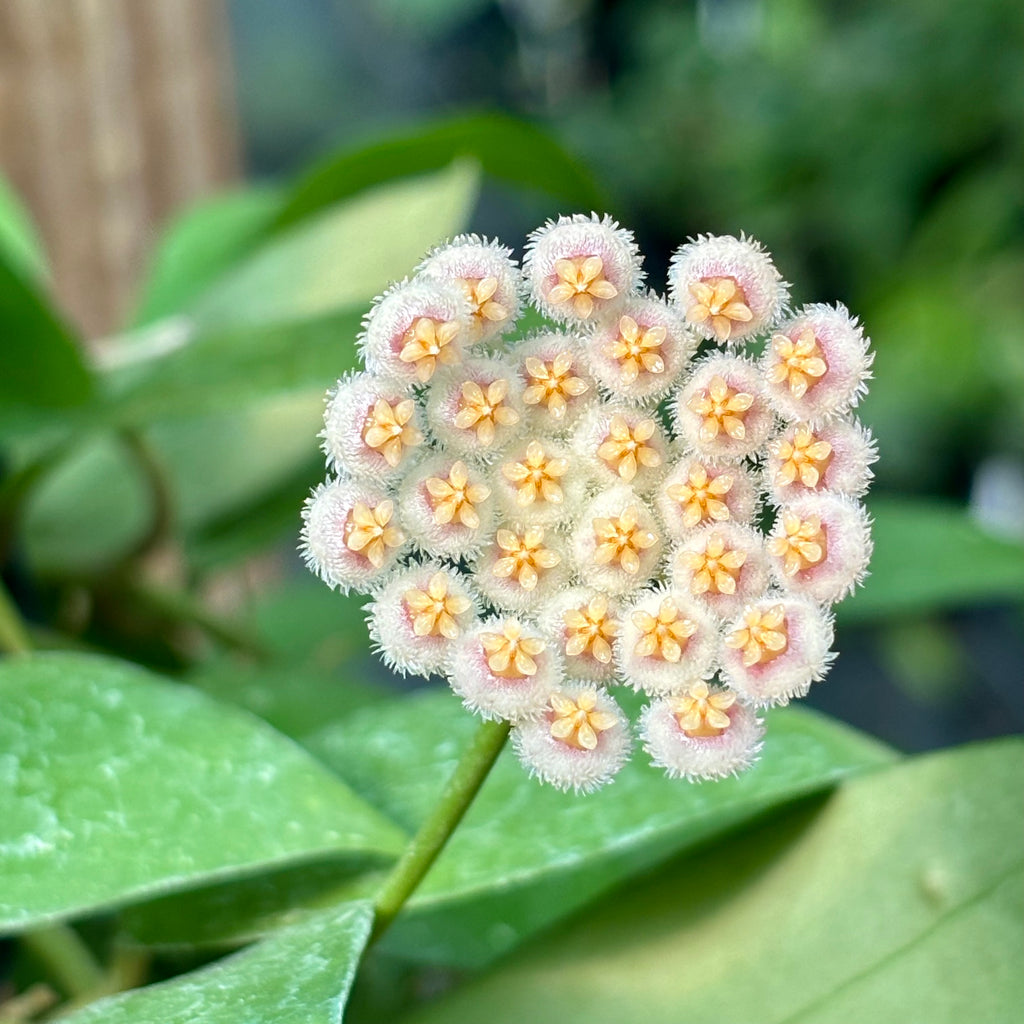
627 496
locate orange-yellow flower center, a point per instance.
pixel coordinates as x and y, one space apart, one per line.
537 476
622 539
723 408
578 723
580 281
553 383
720 302
480 292
589 629
801 362
510 655
485 410
716 569
625 449
434 610
701 496
763 635
455 498
803 544
368 531
428 342
663 635
701 712
804 458
635 349
387 429
524 557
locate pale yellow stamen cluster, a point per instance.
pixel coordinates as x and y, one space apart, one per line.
588 630
803 545
625 449
427 343
635 349
801 362
723 408
456 498
525 554
553 383
763 635
368 531
510 655
483 306
701 712
485 410
434 609
805 457
716 569
663 636
580 281
387 429
721 301
621 539
577 723
701 496
537 476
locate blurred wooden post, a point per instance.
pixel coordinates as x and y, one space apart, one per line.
113 113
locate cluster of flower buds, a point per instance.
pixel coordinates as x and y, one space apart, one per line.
542 519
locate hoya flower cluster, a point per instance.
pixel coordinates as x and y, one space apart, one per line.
654 492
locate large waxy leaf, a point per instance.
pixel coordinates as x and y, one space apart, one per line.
506 148
525 855
115 785
900 900
928 556
299 976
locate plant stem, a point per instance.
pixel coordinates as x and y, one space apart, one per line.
14 636
422 851
67 959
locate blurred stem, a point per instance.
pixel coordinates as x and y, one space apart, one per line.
160 491
67 959
14 638
464 784
182 607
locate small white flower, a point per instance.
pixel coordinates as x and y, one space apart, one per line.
621 445
503 669
776 648
580 742
701 733
699 492
816 365
579 268
538 482
489 278
820 546
583 625
834 457
727 288
557 389
521 567
721 411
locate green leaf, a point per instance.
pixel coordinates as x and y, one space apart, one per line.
19 243
300 976
507 148
932 556
901 899
201 245
525 855
117 786
42 365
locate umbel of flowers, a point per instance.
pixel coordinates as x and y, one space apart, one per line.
660 493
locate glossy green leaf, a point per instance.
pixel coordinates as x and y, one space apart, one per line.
525 855
929 556
508 149
42 365
299 976
115 785
19 242
201 245
901 899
